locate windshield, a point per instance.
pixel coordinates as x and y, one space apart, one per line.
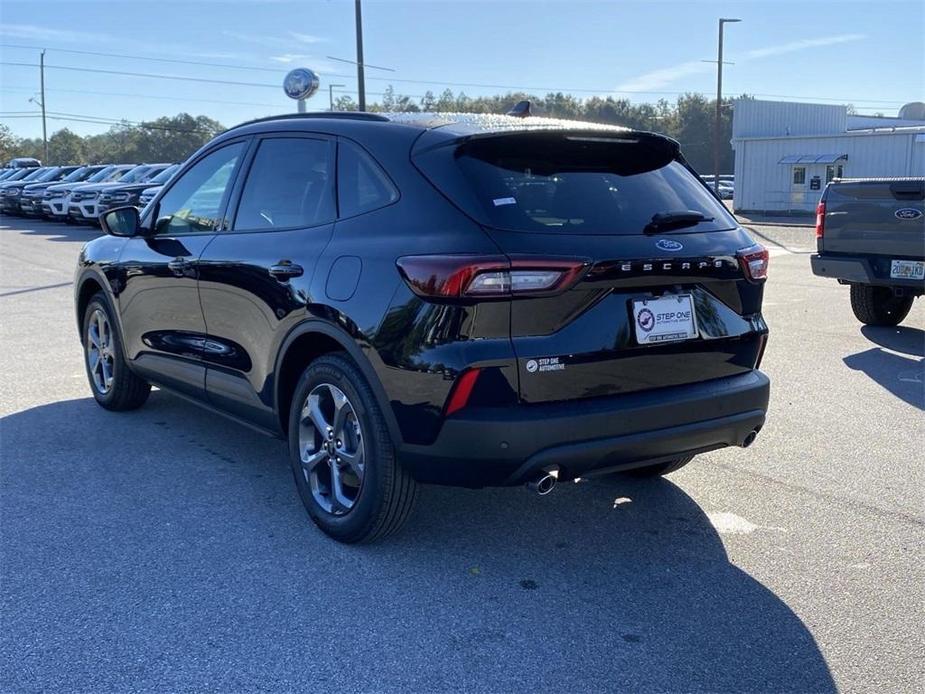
101 174
135 175
50 174
76 175
575 184
152 173
165 175
33 175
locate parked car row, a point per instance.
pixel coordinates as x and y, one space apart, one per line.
79 193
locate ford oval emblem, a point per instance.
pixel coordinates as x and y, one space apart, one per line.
668 245
908 213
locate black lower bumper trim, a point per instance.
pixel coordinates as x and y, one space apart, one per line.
507 446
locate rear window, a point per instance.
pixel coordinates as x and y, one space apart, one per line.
571 184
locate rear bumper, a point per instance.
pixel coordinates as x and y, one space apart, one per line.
872 270
505 446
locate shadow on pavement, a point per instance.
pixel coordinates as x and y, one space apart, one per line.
167 549
901 375
52 231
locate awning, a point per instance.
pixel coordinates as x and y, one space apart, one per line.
813 158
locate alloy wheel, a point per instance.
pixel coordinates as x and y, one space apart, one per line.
331 449
100 351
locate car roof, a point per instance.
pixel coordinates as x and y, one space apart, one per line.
453 124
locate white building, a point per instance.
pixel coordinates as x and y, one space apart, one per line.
785 153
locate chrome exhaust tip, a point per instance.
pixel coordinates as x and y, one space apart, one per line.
544 482
750 439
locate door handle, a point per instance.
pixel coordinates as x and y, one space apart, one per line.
285 269
179 266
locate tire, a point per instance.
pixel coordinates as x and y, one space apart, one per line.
123 390
878 305
661 468
378 496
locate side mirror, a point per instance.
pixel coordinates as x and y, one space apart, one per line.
121 221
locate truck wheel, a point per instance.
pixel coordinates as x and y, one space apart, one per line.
878 305
342 455
661 468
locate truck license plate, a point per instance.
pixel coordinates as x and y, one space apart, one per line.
666 319
908 269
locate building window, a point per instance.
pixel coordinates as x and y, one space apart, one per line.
799 175
836 171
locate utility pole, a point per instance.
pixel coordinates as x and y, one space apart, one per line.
719 104
42 85
331 93
361 83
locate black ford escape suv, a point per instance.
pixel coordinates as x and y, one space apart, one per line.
468 300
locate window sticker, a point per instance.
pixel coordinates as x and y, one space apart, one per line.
504 201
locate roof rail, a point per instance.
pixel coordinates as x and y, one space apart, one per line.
338 115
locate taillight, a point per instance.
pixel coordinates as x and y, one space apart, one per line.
754 261
820 219
486 277
462 389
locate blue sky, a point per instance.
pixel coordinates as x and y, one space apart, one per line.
868 52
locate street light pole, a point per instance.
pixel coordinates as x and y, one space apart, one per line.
42 87
719 104
361 83
331 93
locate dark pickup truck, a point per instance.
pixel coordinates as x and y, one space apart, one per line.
870 235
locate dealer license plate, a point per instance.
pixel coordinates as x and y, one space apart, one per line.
666 319
908 269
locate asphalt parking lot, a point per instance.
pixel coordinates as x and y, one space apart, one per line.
167 549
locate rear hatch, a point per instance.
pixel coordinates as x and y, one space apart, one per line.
874 217
654 291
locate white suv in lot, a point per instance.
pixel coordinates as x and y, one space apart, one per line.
83 204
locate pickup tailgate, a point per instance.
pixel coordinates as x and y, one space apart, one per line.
875 217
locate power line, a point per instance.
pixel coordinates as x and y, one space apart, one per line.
477 85
141 96
143 74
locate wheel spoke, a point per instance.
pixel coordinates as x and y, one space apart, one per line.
312 412
341 410
94 359
337 488
107 372
355 460
311 459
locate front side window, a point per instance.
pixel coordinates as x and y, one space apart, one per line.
799 175
362 185
194 202
289 185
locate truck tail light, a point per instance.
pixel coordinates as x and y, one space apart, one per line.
754 261
489 277
462 389
820 219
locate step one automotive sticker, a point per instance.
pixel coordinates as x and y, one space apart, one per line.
545 364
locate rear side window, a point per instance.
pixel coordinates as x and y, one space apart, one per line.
362 185
289 185
571 184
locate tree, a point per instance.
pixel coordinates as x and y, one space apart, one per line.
65 147
8 144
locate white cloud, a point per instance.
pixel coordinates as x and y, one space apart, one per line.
32 32
306 38
652 81
803 44
291 39
656 79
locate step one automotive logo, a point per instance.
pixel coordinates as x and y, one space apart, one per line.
908 213
669 245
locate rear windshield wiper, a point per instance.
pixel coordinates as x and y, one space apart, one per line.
663 221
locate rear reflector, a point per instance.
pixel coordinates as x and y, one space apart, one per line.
754 261
472 276
820 219
462 389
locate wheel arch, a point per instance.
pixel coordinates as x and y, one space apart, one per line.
88 285
305 343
